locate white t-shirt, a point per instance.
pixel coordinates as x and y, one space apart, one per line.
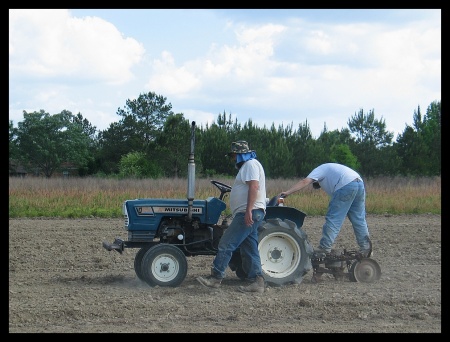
251 170
333 176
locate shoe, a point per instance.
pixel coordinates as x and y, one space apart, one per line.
210 281
365 253
321 250
257 286
317 278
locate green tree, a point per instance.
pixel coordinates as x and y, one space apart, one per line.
335 148
14 155
342 154
85 125
213 143
46 141
227 124
369 130
370 138
142 121
90 131
275 153
137 165
118 140
432 137
149 112
307 152
419 146
173 146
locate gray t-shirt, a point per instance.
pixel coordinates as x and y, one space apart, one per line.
251 170
333 176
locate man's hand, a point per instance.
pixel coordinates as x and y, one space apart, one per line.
248 219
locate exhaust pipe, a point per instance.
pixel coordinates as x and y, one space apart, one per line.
191 174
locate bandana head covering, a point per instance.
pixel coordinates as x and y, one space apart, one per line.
243 157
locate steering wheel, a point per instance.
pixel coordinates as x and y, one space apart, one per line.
224 188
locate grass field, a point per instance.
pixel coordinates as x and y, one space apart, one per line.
97 197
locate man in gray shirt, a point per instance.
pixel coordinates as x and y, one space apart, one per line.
347 198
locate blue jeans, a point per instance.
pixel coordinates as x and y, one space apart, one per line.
238 234
350 200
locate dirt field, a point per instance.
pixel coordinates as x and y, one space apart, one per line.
61 280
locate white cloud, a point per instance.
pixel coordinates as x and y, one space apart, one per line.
62 46
273 70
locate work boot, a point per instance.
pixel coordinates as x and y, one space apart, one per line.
257 286
209 281
321 252
365 253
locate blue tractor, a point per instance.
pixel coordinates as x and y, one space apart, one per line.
167 231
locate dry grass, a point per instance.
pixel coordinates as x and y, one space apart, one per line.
81 197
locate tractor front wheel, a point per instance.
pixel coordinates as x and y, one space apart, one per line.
164 265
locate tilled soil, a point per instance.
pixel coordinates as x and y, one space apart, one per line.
61 280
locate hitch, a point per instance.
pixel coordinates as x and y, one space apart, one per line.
360 267
117 245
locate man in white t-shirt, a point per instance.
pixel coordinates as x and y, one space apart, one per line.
248 207
347 198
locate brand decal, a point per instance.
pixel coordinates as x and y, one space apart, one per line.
180 210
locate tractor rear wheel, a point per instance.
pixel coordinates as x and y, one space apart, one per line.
285 252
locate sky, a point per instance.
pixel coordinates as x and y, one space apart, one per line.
278 67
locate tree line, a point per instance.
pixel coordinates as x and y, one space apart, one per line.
151 141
